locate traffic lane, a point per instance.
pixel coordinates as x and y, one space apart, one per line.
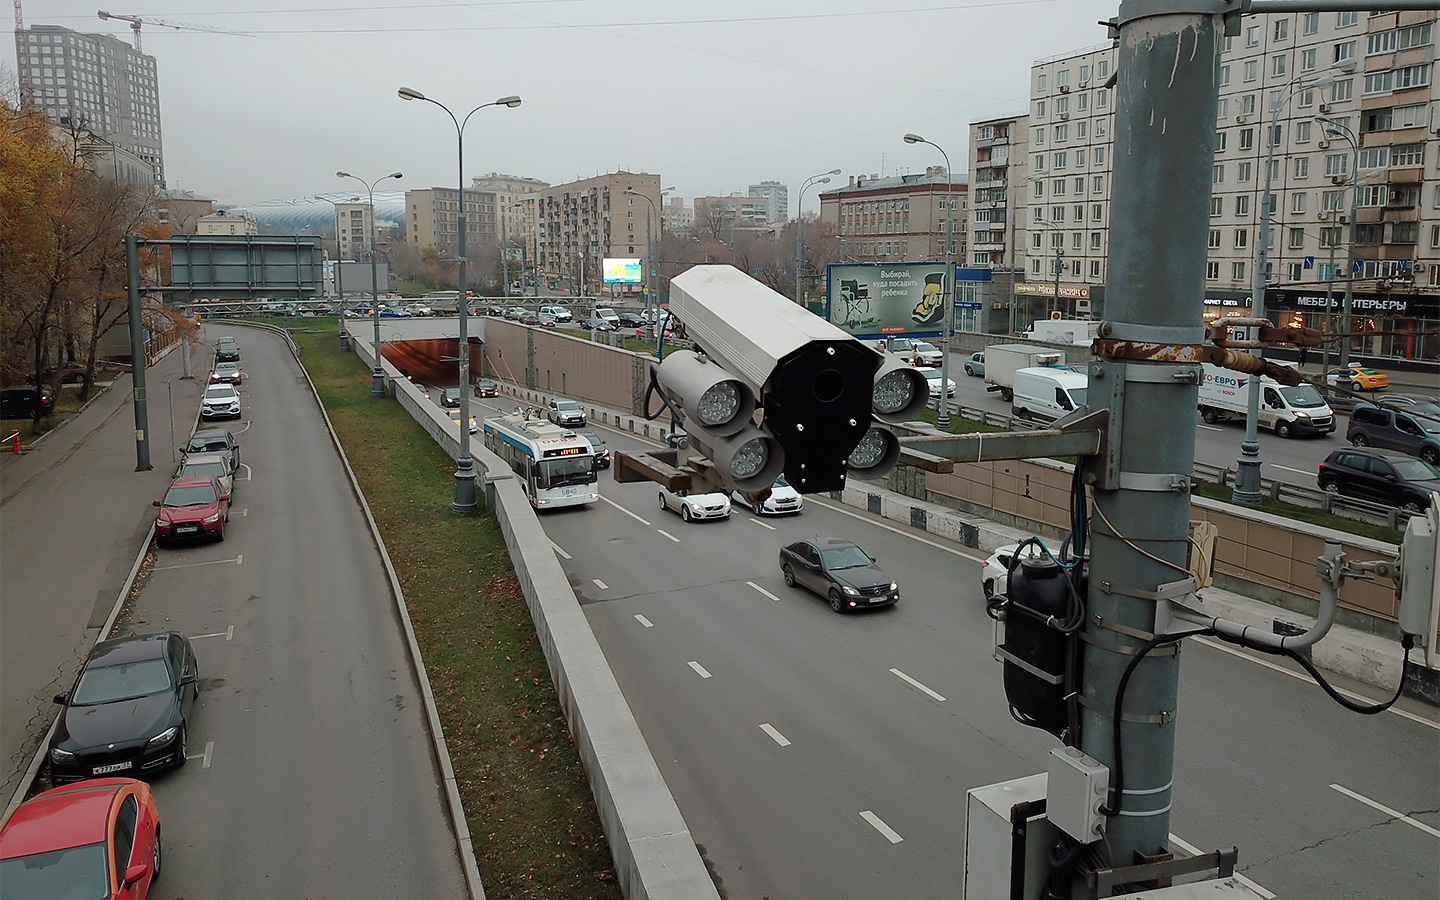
311 714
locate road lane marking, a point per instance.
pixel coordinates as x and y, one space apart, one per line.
774 735
244 512
246 467
763 591
246 428
561 553
209 746
644 621
1195 851
624 510
915 684
1300 676
668 535
1210 427
227 634
881 827
1393 813
763 524
699 669
213 562
900 531
600 584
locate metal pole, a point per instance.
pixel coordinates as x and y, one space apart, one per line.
137 355
823 178
1059 264
1347 313
1014 215
377 381
1165 114
504 263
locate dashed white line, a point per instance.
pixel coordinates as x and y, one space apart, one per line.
227 634
213 562
1394 813
763 524
699 669
763 591
559 552
1296 471
239 559
644 621
623 510
1195 851
668 535
880 826
915 684
1210 427
245 512
774 735
600 584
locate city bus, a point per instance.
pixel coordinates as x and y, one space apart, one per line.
555 466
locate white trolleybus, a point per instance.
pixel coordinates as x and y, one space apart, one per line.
556 466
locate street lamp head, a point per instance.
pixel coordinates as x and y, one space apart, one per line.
343 175
832 172
410 94
396 175
511 101
825 180
915 139
666 190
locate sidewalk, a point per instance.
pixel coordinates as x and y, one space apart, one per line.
74 514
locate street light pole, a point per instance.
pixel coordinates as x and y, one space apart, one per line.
948 320
464 500
377 377
1340 130
822 178
1247 474
649 259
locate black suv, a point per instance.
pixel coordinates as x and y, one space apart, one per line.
1388 427
25 402
226 350
1388 478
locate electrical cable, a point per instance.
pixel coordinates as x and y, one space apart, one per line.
1115 533
1407 641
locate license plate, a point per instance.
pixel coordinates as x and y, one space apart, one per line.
187 529
113 767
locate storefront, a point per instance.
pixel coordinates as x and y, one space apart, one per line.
1396 330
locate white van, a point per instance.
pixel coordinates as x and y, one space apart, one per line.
1048 393
560 313
608 315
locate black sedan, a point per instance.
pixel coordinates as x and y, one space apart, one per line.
597 443
839 571
631 320
126 714
484 387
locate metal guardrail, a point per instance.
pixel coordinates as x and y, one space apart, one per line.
1298 495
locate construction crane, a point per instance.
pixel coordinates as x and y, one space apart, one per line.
24 70
137 21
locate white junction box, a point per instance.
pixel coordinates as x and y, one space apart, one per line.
1078 787
992 871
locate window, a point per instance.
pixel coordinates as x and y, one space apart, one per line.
1217 206
1222 111
1404 196
1080 212
1057 213
1097 212
1224 75
1099 156
1079 186
1080 157
1219 141
1382 42
1212 271
1297 238
125 822
1310 23
1307 97
1330 201
1344 19
1434 237
1302 132
1097 183
1102 100
1038 137
1244 171
1307 60
1039 162
1370 234
1057 189
1237 271
1061 156
1039 109
1095 238
1094 268
1214 243
1336 164
1252 69
1242 238
1373 158
1302 167
1277 63
1062 105
1252 36
1217 175
1082 102
1084 74
1282 29
1343 89
1077 240
1397 79
1344 51
1040 81
1103 68
1247 105
1082 129
1036 240
1405 155
1405 233
1062 133
1063 78
1330 237
1034 267
1294 271
1100 127
1415 36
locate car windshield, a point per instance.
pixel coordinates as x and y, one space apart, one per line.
195 495
209 445
122 681
57 874
1302 396
227 367
223 392
1078 396
595 441
553 473
567 405
1415 470
204 470
851 557
781 482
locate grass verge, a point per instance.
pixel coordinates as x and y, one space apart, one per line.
536 831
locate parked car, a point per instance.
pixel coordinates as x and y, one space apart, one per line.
696 506
1408 430
783 500
221 401
63 373
567 413
455 417
560 313
839 571
209 465
1357 378
23 402
420 309
597 444
598 323
226 349
513 313
451 398
496 311
484 387
1389 478
647 332
925 354
546 320
631 320
128 709
193 506
394 312
99 839
214 440
227 373
529 317
975 365
995 571
933 376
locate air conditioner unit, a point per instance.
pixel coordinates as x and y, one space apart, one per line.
1343 219
1323 145
1064 88
1242 119
1084 83
1324 108
1082 306
1064 116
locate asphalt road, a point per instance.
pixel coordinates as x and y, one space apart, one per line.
822 755
310 773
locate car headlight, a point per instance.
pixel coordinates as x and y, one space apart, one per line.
851 591
1301 415
894 586
211 520
163 737
60 756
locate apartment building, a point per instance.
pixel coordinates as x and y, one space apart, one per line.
352 230
900 218
999 164
714 216
515 197
677 216
580 223
98 83
777 197
227 221
432 219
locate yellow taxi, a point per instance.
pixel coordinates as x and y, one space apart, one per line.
1357 378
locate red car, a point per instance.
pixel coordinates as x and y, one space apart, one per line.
98 839
194 506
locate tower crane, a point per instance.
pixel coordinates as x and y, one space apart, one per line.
137 21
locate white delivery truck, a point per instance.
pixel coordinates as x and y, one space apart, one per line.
1063 331
1288 411
1002 360
1047 394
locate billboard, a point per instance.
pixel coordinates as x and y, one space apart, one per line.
621 271
237 266
354 277
872 300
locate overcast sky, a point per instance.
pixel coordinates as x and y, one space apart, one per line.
712 96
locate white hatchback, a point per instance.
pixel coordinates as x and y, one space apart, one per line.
783 500
696 506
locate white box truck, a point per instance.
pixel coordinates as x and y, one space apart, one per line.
1001 361
1046 394
1063 331
1288 411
